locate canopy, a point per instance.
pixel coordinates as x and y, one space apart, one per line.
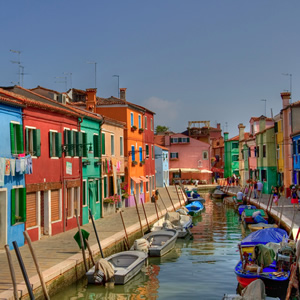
136 179
184 170
205 171
144 179
217 170
264 236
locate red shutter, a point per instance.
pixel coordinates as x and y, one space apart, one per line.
31 210
54 205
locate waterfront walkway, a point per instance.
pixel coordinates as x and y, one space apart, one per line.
60 253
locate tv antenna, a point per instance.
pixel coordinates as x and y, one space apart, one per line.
70 74
95 63
18 62
64 80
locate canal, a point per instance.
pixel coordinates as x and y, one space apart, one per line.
200 267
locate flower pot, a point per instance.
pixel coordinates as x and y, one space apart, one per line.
108 209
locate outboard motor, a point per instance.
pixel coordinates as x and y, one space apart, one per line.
285 257
141 245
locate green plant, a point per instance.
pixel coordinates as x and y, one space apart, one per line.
134 162
112 199
133 128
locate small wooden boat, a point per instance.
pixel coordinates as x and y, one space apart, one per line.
126 265
259 226
242 207
181 223
247 215
263 236
161 242
195 208
199 198
218 194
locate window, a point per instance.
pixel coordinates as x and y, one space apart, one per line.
96 145
131 119
298 146
264 150
264 175
97 188
257 151
112 144
105 188
70 192
73 143
131 187
18 205
133 153
174 140
33 141
235 158
153 183
76 200
278 151
121 146
199 163
16 138
147 185
145 122
252 129
152 152
84 203
235 145
294 148
147 150
54 144
249 152
103 144
141 187
276 127
151 125
140 121
141 153
78 141
205 155
174 155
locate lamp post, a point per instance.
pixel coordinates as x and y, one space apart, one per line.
288 74
95 63
118 84
265 105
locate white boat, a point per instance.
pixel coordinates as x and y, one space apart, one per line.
199 198
161 242
218 194
174 220
126 265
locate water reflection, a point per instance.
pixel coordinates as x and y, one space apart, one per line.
200 267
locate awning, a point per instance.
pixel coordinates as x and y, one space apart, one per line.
184 170
144 179
205 171
217 170
136 179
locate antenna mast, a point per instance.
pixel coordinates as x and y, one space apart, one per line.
21 68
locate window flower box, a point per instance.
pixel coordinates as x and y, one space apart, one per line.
142 162
133 128
108 208
141 130
134 163
86 162
98 163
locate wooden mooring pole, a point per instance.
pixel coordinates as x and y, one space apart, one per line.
170 197
155 204
145 214
178 195
137 211
96 233
90 251
126 236
81 241
12 272
28 240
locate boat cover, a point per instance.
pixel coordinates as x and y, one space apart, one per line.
249 212
198 204
255 290
264 236
260 219
243 207
263 255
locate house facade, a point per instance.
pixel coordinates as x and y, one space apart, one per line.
231 155
161 166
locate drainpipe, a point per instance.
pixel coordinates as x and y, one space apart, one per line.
80 120
101 177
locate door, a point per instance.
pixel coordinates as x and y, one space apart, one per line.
42 213
137 191
3 218
92 196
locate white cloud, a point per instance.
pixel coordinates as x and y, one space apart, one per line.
167 112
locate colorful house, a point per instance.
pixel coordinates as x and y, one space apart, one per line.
52 137
189 158
231 155
296 158
266 155
161 166
12 182
279 148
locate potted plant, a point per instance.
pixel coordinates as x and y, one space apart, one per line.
86 162
142 162
141 130
134 163
109 204
133 128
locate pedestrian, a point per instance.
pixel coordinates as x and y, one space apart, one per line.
294 200
239 196
276 195
259 188
255 189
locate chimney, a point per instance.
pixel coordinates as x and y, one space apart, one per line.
219 126
167 139
226 136
91 100
123 93
262 123
286 96
241 128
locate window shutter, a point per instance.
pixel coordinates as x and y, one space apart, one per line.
58 144
66 142
76 142
133 153
188 139
179 140
80 146
12 139
103 143
36 142
22 202
96 146
141 154
84 141
70 142
171 140
19 131
26 141
50 144
13 206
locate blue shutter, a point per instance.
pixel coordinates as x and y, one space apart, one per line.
133 153
141 153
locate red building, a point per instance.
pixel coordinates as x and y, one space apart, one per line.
53 188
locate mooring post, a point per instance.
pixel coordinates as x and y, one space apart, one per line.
145 214
170 197
137 210
126 236
96 233
12 272
81 241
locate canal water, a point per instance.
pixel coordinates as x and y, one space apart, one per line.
200 267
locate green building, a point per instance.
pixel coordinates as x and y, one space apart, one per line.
231 151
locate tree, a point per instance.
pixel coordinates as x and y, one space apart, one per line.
161 129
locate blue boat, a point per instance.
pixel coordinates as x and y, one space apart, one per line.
195 208
241 208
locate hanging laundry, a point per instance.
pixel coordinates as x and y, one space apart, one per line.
22 165
28 164
18 165
21 155
7 167
107 165
2 170
12 167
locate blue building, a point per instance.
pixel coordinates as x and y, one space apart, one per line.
296 158
12 183
161 166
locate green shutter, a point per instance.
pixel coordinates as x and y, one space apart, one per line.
79 143
70 143
83 192
103 143
96 146
19 131
50 144
75 141
12 139
26 140
105 186
84 141
58 144
66 141
13 206
22 204
188 139
36 142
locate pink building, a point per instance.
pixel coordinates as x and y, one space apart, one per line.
189 158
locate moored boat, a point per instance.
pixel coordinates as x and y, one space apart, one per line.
126 265
242 207
218 194
195 208
248 215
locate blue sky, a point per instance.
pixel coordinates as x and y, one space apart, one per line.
186 60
